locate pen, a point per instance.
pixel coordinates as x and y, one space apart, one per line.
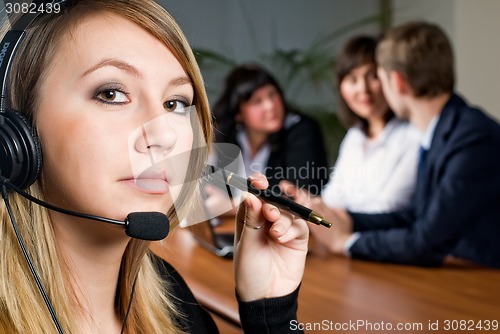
282 202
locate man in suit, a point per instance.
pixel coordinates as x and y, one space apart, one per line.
455 213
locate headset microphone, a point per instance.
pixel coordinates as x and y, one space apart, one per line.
20 149
140 225
21 159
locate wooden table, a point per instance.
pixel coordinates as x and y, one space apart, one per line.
338 292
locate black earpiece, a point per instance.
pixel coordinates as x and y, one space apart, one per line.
20 150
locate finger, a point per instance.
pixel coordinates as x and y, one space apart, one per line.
282 228
258 180
281 221
253 219
297 230
271 212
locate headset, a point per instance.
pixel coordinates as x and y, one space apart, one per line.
21 156
20 149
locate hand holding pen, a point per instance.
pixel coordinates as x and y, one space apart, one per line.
270 248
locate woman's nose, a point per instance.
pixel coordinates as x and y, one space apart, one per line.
157 138
363 86
268 104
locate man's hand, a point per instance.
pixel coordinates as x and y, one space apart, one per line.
332 239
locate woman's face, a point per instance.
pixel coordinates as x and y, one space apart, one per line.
362 91
108 79
264 112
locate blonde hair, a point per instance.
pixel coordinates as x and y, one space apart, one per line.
22 309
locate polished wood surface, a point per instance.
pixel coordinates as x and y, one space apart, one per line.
340 290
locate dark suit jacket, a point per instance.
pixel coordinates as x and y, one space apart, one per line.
456 208
298 155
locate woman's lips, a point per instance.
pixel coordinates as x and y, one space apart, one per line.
150 186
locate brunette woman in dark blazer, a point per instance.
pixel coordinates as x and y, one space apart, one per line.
274 139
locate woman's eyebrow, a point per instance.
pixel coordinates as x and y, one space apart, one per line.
179 81
120 64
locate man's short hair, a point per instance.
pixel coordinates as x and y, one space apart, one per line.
422 53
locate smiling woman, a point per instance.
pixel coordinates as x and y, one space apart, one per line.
377 164
110 88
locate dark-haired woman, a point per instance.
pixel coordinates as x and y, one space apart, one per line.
275 140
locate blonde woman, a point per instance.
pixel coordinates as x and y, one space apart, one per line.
86 79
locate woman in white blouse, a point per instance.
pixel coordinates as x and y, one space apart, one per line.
377 163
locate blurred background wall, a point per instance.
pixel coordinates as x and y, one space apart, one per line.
297 40
285 35
244 30
473 27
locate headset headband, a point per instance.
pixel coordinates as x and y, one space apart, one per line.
11 41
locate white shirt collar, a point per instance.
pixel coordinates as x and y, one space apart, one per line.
386 132
257 163
429 133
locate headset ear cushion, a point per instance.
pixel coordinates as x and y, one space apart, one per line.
20 149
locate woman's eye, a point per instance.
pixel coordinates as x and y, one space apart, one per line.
112 96
175 106
351 79
372 75
254 101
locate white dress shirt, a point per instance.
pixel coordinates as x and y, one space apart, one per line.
375 176
426 140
